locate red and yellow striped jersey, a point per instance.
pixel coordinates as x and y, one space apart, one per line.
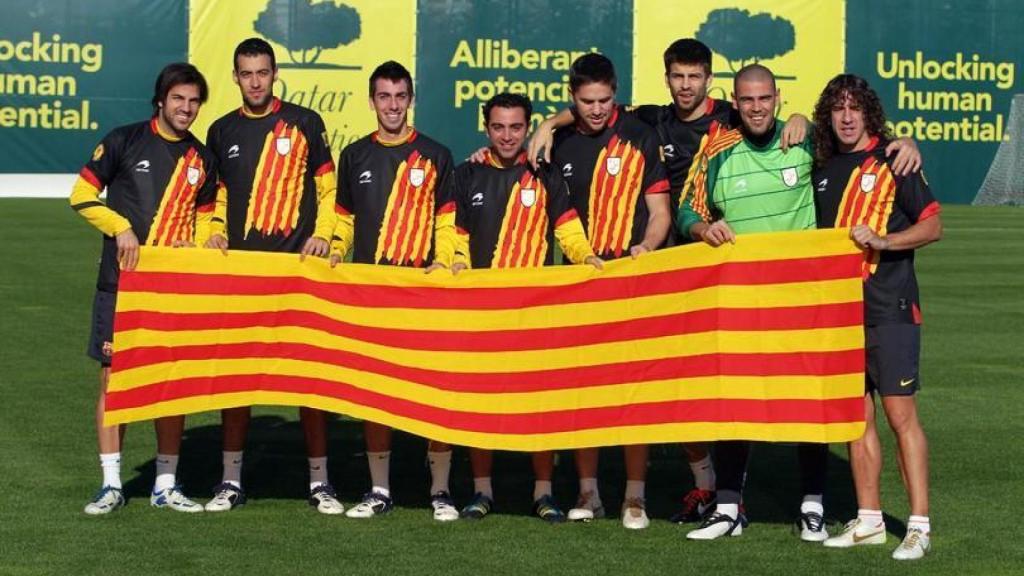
860 188
160 186
509 217
276 175
392 199
608 175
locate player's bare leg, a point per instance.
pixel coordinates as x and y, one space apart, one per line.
634 513
109 439
901 412
321 493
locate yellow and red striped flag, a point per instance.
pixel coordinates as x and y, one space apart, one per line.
760 340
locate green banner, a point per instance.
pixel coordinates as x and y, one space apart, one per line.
71 71
470 51
947 74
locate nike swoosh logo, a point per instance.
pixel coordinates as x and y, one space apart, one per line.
905 383
859 539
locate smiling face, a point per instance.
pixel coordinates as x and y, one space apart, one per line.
688 84
506 130
594 104
179 109
255 78
391 101
848 124
755 99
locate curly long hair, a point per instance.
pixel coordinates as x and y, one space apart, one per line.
825 141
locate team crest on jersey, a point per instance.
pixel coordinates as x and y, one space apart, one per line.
613 165
416 176
789 176
193 175
867 182
528 196
97 153
284 145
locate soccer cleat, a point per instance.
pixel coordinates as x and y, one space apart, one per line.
105 501
444 508
174 499
716 526
226 496
696 505
634 514
478 507
914 545
325 499
812 527
546 509
373 504
857 533
588 507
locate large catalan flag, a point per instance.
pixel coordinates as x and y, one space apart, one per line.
760 340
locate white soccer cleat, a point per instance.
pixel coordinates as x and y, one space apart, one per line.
106 501
226 496
444 507
716 526
373 504
634 514
588 507
857 533
914 545
325 500
174 499
812 527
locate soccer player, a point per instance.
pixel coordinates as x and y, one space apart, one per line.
160 192
890 217
683 127
275 194
395 207
743 183
508 215
618 187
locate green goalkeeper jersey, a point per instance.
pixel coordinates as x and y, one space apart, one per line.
753 188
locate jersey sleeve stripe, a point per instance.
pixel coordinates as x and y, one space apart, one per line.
933 209
659 187
91 178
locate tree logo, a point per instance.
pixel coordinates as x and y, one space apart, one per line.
306 28
743 38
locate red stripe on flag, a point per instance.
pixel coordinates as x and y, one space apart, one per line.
740 319
596 290
791 364
713 410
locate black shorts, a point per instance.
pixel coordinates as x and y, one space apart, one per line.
893 357
101 335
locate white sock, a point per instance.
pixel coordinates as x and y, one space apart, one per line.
233 468
380 467
590 485
166 468
704 473
871 518
483 486
812 503
541 488
110 463
440 468
317 472
730 510
635 489
921 523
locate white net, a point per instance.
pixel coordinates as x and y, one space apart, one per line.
1004 184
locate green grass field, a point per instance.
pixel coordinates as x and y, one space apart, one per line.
973 369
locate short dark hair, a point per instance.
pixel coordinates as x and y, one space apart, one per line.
688 51
255 47
508 100
393 71
858 89
173 75
590 68
754 73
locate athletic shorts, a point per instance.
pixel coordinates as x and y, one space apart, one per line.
893 355
101 336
